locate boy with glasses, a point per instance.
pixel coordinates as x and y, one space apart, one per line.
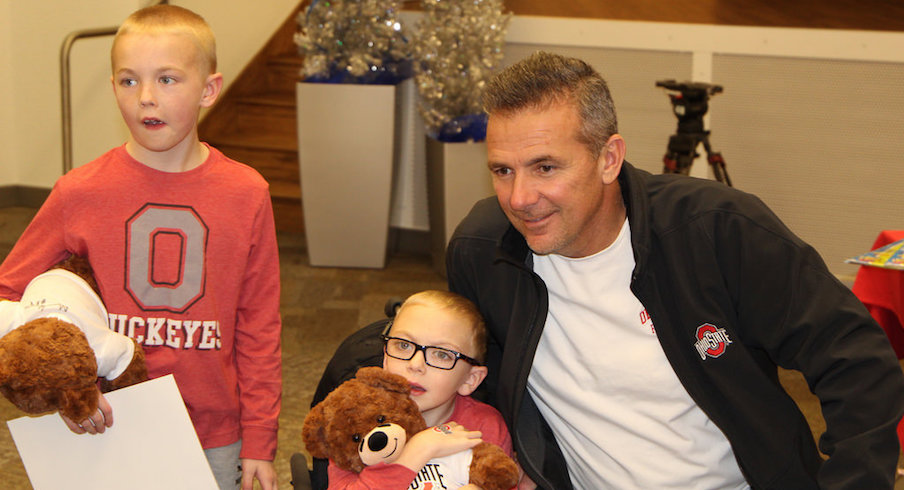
437 341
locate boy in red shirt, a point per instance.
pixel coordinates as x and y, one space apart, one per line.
182 243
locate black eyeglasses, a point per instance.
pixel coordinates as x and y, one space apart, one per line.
437 357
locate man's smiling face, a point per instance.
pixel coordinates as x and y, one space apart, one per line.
549 185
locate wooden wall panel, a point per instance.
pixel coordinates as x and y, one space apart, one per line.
882 15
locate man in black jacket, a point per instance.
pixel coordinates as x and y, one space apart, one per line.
637 320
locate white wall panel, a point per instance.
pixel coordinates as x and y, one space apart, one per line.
820 141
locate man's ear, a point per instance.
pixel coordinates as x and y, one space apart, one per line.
612 156
212 87
476 375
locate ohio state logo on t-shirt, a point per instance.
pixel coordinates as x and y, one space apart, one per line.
711 341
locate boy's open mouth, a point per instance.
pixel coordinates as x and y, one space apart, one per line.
152 121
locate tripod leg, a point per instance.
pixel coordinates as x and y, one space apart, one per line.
680 154
716 162
719 170
718 165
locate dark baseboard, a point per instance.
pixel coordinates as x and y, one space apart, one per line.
409 241
22 196
417 242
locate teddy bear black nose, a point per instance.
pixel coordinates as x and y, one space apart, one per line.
377 441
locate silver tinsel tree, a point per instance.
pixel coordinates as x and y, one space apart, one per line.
458 44
353 41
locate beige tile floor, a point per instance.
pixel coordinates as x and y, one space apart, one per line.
320 307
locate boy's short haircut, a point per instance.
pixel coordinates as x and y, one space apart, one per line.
172 19
459 305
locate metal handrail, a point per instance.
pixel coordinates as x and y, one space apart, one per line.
64 86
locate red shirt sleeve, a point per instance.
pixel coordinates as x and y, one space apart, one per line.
475 415
257 342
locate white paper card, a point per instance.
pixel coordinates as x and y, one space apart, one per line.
152 445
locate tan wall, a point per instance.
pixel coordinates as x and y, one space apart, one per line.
7 151
31 130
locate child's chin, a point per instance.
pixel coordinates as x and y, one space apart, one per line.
422 404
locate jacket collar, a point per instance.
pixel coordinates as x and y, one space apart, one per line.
512 247
633 183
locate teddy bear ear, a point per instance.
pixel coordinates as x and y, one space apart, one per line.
313 432
379 378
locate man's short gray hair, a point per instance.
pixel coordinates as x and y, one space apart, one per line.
543 79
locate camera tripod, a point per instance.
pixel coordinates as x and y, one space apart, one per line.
690 104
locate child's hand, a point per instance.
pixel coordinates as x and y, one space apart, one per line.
263 471
448 438
436 442
97 423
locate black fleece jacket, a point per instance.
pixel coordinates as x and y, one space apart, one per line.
732 293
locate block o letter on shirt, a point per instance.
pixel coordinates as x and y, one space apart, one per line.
165 257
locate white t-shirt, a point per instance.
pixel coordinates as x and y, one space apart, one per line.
447 472
602 382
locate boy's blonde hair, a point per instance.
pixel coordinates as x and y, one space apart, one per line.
170 19
458 305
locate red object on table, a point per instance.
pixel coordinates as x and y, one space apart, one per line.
882 291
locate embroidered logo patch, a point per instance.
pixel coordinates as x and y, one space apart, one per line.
711 341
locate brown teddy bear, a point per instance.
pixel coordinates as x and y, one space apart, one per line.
56 344
359 422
